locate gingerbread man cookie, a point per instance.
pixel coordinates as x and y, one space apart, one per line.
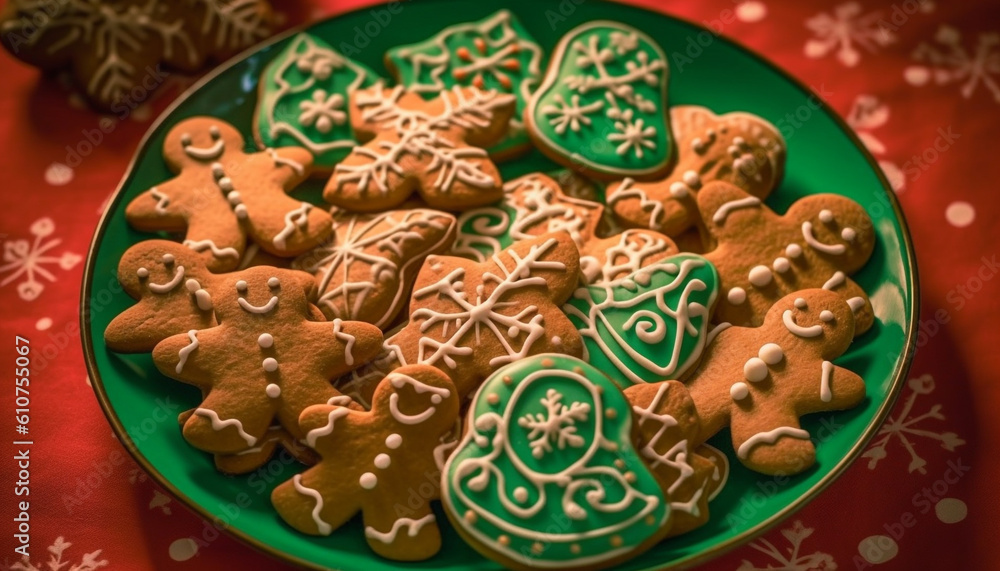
371 462
431 147
253 367
367 270
760 380
738 148
762 256
222 195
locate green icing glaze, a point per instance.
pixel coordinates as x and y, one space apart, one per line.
650 326
493 53
603 102
304 100
546 474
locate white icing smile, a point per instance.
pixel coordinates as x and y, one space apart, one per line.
204 153
169 286
266 308
807 235
796 329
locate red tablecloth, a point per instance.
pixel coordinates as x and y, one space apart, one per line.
919 82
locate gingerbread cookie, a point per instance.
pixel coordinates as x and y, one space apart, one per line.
254 367
738 148
276 438
370 461
496 52
547 474
366 272
222 195
303 100
115 48
651 325
762 256
760 380
432 147
602 107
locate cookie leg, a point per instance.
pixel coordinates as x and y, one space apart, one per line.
779 448
227 423
303 505
414 537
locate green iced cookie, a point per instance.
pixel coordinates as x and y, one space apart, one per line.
547 475
303 101
650 326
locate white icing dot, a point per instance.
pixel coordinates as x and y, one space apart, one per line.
801 303
234 197
755 370
521 494
512 331
241 285
737 295
241 211
951 510
265 340
183 549
142 273
739 391
393 441
678 190
751 12
692 179
226 184
273 390
771 353
825 216
192 285
556 340
793 251
217 170
270 364
382 461
826 315
781 265
58 174
368 480
43 323
848 234
436 399
273 282
877 549
760 276
168 258
960 214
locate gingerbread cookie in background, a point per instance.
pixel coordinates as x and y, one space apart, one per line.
496 52
762 256
575 185
651 325
369 462
602 106
738 148
221 195
303 98
668 427
253 368
547 476
112 46
535 205
433 147
366 271
760 380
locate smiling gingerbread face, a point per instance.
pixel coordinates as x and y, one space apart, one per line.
200 141
263 292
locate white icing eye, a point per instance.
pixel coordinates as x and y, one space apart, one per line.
185 139
793 251
273 282
801 303
826 315
192 285
214 131
265 340
826 216
270 364
678 190
848 234
436 399
241 286
168 259
142 273
782 265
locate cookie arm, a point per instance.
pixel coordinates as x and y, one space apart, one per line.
181 357
162 207
294 165
857 299
345 345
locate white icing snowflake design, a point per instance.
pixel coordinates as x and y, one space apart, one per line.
950 61
791 558
28 259
867 114
89 562
557 426
323 110
630 134
844 31
571 114
903 427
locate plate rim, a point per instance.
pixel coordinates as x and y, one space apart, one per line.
900 371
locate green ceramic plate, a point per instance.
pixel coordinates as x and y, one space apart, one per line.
823 156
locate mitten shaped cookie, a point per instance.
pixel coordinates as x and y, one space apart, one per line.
253 368
433 147
762 256
738 148
760 380
371 462
221 195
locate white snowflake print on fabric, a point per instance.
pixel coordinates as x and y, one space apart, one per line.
951 61
791 558
88 562
557 425
867 114
161 502
27 260
903 427
844 31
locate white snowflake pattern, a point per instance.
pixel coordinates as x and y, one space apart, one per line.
324 111
791 559
618 86
570 114
239 22
846 29
89 562
557 425
950 62
161 502
631 134
26 258
903 426
867 114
